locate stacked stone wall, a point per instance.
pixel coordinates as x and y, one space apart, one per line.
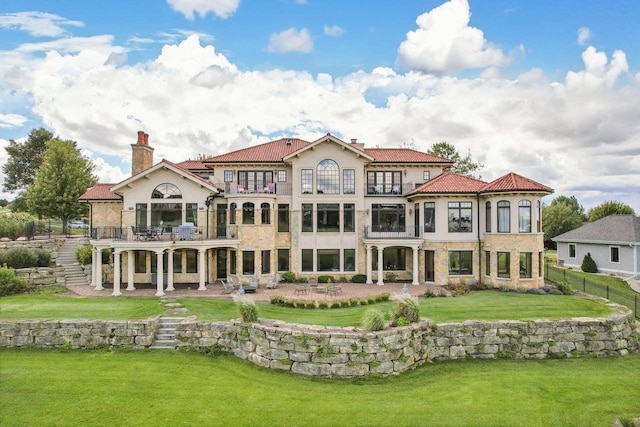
39 276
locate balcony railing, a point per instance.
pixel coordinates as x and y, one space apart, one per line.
277 188
389 190
152 233
391 232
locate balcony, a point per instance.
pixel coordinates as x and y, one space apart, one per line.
391 232
271 188
389 190
160 234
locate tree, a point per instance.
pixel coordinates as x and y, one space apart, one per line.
462 165
588 264
62 178
562 215
609 207
25 159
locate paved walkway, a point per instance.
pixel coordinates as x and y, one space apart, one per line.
634 283
286 290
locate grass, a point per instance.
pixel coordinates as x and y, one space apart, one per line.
100 388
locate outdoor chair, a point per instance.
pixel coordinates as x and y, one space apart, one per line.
227 285
274 283
300 288
253 286
334 289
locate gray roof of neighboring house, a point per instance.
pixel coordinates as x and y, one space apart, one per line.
610 229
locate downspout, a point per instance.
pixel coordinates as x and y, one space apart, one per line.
635 261
479 241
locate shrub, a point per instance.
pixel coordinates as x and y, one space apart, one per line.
359 278
14 225
565 288
354 302
289 277
248 310
323 305
335 304
364 302
457 289
43 257
588 264
344 303
83 254
326 279
390 277
373 320
385 297
10 284
311 305
301 304
277 300
429 293
21 258
407 310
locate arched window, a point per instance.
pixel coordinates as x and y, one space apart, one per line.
266 213
328 177
166 191
232 213
504 216
248 214
524 216
487 215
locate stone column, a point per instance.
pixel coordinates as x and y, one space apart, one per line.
170 270
97 269
415 266
368 265
116 273
380 266
130 269
201 269
160 273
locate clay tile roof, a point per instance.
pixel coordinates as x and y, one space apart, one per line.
403 155
100 192
272 151
187 171
450 182
192 165
514 182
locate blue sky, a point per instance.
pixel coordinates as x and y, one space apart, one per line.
546 89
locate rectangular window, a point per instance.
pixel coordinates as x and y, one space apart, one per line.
191 214
615 254
487 263
248 213
349 260
460 263
307 260
426 176
248 262
177 261
283 218
388 217
255 181
192 261
384 182
393 259
307 217
328 215
524 216
307 181
233 261
430 217
265 262
228 176
349 217
140 261
282 176
283 260
504 216
328 260
526 266
349 181
460 220
141 216
166 215
572 250
504 264
265 213
487 217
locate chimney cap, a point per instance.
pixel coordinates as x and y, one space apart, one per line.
354 140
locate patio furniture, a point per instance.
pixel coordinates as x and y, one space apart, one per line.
300 288
334 289
227 285
253 286
187 231
275 282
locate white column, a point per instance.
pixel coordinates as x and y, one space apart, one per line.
201 269
368 260
116 273
93 266
160 273
170 270
380 266
130 269
98 269
415 266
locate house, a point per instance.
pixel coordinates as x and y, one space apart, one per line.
326 207
612 242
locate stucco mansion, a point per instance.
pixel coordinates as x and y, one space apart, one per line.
326 207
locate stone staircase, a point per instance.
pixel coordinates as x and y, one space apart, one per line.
166 333
73 273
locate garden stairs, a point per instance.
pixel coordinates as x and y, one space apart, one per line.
73 273
166 334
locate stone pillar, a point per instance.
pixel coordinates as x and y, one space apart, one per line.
160 273
415 266
380 266
116 273
201 269
368 265
97 269
170 270
130 269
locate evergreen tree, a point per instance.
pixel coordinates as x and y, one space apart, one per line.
25 159
588 264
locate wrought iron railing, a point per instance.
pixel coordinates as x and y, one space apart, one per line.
152 233
391 232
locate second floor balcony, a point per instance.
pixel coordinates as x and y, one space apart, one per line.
166 233
393 231
270 188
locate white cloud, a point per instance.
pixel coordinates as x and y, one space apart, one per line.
9 121
291 40
333 31
38 24
444 43
221 8
584 34
598 72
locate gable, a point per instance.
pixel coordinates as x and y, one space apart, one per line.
611 229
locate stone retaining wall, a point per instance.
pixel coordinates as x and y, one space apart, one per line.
39 276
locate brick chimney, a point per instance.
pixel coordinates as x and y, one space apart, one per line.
141 154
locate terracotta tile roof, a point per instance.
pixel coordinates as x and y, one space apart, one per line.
272 151
187 171
514 182
450 182
610 229
100 192
403 155
192 165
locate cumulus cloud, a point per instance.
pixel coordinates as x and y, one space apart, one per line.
8 121
598 72
444 43
38 24
333 31
221 8
584 34
291 40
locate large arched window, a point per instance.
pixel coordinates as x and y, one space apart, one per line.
524 216
248 213
504 216
328 177
166 191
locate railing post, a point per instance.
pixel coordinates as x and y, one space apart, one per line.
584 284
607 291
635 304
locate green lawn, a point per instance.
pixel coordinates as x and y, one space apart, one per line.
146 388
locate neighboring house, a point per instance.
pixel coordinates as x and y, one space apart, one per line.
325 207
612 241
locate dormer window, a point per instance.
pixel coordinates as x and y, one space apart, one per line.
166 191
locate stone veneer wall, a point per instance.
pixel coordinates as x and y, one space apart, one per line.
347 352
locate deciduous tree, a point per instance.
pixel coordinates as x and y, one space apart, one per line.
25 159
562 215
609 207
462 165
